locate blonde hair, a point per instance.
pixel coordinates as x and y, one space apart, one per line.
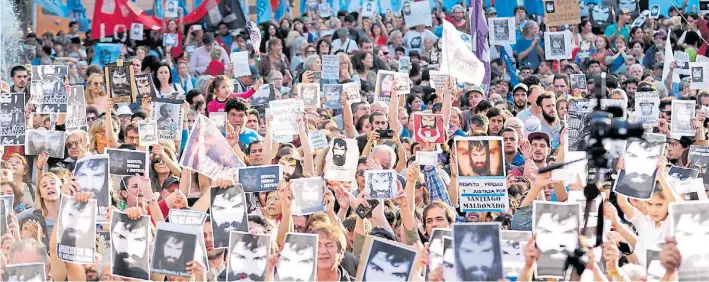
89 94
96 127
38 201
345 58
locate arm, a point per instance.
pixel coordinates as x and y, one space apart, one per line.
610 213
268 143
407 204
347 118
400 152
284 190
394 109
110 136
524 54
308 166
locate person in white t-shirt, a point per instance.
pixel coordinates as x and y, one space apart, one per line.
343 42
415 37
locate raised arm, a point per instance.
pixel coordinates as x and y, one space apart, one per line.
308 166
347 118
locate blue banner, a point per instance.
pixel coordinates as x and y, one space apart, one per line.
511 70
282 10
56 7
264 13
106 53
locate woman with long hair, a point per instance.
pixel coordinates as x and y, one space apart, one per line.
95 94
601 51
362 63
97 133
175 27
162 76
378 32
271 32
19 166
529 47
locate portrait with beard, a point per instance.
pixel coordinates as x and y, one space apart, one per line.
557 229
339 152
208 152
380 183
77 230
449 273
512 243
92 176
600 15
697 74
690 226
435 248
129 239
119 80
145 86
297 260
248 254
480 157
310 93
308 194
637 181
429 129
172 251
228 213
478 256
49 72
26 272
388 261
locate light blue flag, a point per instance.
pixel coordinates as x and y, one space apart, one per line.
106 53
507 62
282 10
56 7
264 13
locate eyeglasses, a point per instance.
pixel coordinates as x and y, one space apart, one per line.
311 51
71 144
360 172
256 151
90 119
98 83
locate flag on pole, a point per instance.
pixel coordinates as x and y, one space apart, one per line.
457 59
507 62
669 58
264 12
479 31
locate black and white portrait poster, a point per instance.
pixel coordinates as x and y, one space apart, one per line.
25 272
385 86
248 254
601 15
380 184
385 260
49 72
481 169
285 116
12 119
577 122
127 162
148 132
341 160
637 180
48 96
513 243
478 255
76 233
136 31
145 86
689 222
310 94
92 174
169 39
168 114
435 248
298 258
228 211
699 159
264 94
684 181
220 120
653 266
130 239
263 178
42 140
76 108
578 81
417 14
502 31
171 7
351 89
404 64
208 152
557 227
186 217
647 108
682 60
449 273
173 249
119 82
333 96
557 45
308 195
682 114
698 69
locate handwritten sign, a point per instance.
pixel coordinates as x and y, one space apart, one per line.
561 12
285 116
330 67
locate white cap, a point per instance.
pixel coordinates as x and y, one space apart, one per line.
124 110
532 124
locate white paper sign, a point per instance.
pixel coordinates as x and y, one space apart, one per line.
136 31
240 60
697 78
682 59
324 10
502 31
351 89
457 60
557 45
330 67
404 64
682 114
426 158
438 79
285 116
647 108
318 139
417 13
369 8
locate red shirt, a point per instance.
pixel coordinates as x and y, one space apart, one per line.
215 67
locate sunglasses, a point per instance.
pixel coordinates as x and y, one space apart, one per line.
97 83
360 172
71 144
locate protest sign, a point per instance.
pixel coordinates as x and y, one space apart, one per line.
120 82
428 128
558 45
318 139
285 113
562 12
127 162
341 160
308 195
168 114
208 152
76 108
187 217
682 115
330 67
351 89
333 96
647 108
417 13
76 233
12 124
263 178
482 184
502 31
240 60
173 249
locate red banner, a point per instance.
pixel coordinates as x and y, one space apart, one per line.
115 16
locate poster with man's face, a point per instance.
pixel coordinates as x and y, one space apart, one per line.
512 243
260 178
428 128
248 254
689 222
385 90
92 176
333 96
129 239
228 213
386 261
478 256
310 93
50 141
308 195
145 86
173 249
76 231
298 258
25 272
120 82
381 184
341 160
481 157
557 228
435 248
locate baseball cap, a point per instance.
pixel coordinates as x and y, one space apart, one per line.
476 88
169 181
520 86
124 110
537 135
254 72
491 11
624 11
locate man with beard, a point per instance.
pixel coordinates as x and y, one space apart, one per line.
540 149
428 131
533 110
339 152
297 259
479 158
129 240
228 212
173 251
92 176
477 253
248 254
519 99
217 269
551 124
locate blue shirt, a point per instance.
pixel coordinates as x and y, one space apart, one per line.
518 160
533 59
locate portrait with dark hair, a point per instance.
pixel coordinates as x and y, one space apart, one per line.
429 128
120 82
105 57
512 244
49 72
333 96
310 93
129 239
92 176
145 86
637 181
248 254
478 256
381 184
339 151
172 250
298 258
387 261
449 273
26 272
697 75
480 156
126 162
308 195
76 230
228 213
557 228
12 119
341 160
50 141
435 248
689 222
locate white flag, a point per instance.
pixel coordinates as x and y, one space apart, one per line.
457 60
669 58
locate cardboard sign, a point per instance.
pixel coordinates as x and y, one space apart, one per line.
561 12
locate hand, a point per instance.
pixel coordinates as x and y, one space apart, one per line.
42 160
373 136
158 151
670 255
134 213
285 195
413 171
232 134
197 270
526 148
673 65
308 77
530 252
33 230
609 212
342 197
401 198
329 200
258 84
373 164
70 187
83 197
179 200
109 212
223 182
611 255
664 126
437 273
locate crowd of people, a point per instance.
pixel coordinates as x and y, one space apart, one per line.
617 61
